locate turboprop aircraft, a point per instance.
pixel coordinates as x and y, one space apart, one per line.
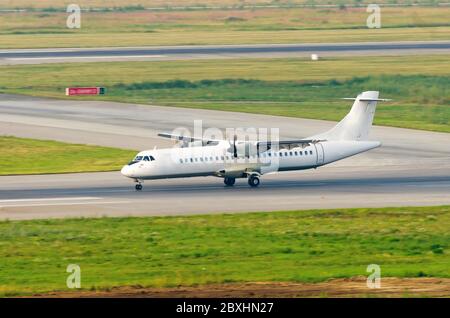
232 159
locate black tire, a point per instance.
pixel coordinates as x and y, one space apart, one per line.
138 187
229 181
253 181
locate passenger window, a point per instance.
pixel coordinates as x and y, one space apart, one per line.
196 160
310 152
296 153
222 157
290 153
181 160
192 160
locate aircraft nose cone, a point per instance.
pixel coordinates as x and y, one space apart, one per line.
126 171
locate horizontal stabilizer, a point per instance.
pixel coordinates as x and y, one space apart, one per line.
369 99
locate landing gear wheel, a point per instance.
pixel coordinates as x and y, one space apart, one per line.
253 181
229 181
138 187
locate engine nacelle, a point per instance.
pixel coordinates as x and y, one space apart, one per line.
244 148
197 143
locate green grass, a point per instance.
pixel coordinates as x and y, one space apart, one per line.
237 26
300 246
287 87
422 100
28 156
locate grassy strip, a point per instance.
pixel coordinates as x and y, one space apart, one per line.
192 37
421 105
303 246
46 79
287 87
240 26
28 156
176 3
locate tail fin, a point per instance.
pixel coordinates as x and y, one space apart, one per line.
357 123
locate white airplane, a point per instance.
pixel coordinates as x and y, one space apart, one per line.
232 159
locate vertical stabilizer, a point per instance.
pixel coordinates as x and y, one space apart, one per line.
356 125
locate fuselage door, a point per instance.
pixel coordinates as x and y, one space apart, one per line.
320 153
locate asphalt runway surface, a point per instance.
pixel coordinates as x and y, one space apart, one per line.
412 167
158 53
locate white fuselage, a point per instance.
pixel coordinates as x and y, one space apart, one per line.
349 137
218 161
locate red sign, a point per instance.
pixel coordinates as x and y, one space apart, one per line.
70 91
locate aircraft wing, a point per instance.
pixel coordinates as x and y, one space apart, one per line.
261 145
187 138
286 144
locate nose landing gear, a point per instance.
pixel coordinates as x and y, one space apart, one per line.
138 185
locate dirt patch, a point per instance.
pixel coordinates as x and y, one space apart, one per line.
351 287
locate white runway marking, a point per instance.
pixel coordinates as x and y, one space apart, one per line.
50 199
83 57
62 204
18 203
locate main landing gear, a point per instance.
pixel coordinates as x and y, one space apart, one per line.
253 181
229 182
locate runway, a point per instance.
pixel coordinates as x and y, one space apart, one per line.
411 168
159 53
108 194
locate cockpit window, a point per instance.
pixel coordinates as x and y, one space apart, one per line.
141 158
